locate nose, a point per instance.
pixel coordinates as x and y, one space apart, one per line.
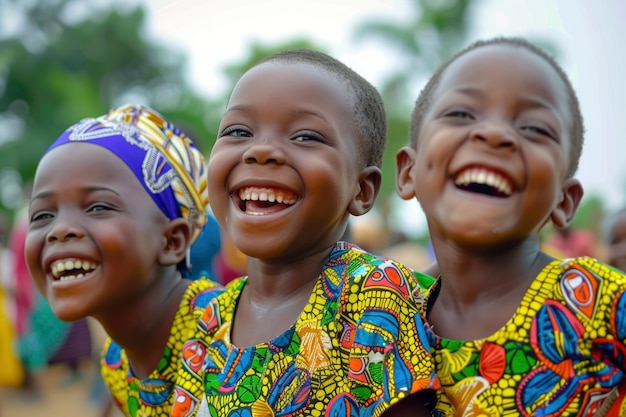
496 134
64 229
264 152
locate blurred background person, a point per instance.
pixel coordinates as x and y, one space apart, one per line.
11 372
616 239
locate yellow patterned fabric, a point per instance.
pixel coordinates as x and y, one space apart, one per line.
154 395
563 352
182 155
358 347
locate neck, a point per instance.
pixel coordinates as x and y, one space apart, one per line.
270 281
274 297
471 277
142 326
480 291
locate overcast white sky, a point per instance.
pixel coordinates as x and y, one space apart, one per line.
591 36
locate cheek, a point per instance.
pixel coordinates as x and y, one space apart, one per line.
32 250
123 239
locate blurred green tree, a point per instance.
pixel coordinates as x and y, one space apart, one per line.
431 32
69 59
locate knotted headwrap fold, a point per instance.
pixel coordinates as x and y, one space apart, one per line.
164 160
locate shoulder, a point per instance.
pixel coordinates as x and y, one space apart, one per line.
381 309
368 275
593 290
601 283
114 369
195 300
220 308
584 269
200 292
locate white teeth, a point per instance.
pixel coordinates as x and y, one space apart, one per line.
482 176
71 277
270 195
82 267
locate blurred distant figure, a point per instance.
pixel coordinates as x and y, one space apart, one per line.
204 252
24 290
230 262
571 243
40 333
11 373
370 232
616 240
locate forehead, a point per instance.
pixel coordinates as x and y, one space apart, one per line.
511 69
80 165
313 85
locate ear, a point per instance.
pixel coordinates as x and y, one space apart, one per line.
565 210
405 160
369 186
178 236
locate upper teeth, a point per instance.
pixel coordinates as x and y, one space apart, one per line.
62 265
267 194
483 176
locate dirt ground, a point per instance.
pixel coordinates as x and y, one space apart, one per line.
62 395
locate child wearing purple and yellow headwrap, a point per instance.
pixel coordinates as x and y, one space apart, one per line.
109 237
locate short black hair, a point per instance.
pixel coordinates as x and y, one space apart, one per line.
577 131
369 111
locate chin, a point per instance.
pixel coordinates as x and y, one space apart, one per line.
66 312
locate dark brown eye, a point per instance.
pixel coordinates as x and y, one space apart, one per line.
458 114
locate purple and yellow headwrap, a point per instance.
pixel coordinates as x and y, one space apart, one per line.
164 160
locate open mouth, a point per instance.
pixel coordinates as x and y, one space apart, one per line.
71 269
259 201
484 181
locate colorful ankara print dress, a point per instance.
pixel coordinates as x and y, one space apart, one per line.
356 348
563 353
154 395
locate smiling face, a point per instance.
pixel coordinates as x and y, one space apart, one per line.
95 235
492 155
285 171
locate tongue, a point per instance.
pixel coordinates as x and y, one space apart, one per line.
264 207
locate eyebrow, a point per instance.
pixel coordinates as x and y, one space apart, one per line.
302 112
91 189
528 101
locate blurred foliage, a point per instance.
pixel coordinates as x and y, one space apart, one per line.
69 59
431 32
590 214
54 72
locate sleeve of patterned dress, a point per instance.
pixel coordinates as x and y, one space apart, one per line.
156 394
390 357
615 347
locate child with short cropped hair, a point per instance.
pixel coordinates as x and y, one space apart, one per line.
496 136
318 327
